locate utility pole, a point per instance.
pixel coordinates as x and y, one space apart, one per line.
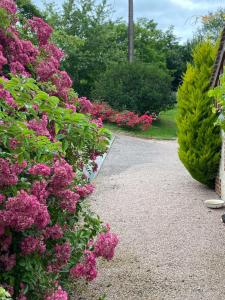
131 32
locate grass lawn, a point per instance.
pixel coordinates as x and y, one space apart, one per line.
163 129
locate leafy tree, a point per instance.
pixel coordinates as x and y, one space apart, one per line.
28 9
211 25
136 87
93 40
198 137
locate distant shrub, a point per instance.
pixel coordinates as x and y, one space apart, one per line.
135 87
103 111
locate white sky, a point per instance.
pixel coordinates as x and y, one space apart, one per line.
182 14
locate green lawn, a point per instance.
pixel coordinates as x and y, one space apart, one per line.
163 129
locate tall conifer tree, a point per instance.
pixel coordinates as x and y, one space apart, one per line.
199 139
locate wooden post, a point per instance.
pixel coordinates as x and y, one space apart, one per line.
131 32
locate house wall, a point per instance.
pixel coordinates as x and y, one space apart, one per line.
220 180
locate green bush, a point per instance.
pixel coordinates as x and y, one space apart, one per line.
4 295
135 87
198 136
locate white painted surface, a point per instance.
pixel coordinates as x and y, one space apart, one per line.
221 171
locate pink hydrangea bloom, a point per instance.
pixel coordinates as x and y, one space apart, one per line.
40 169
31 244
62 80
85 105
6 96
9 5
105 245
53 51
13 143
40 126
98 122
39 189
54 232
29 52
59 294
71 106
62 256
69 200
85 190
7 174
41 28
62 253
18 168
23 211
17 68
63 83
63 175
87 269
47 68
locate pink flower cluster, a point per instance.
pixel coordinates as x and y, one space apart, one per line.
31 244
54 232
69 200
38 201
44 58
41 28
85 190
62 256
87 269
9 172
98 122
102 110
18 53
85 105
9 5
40 126
39 190
63 175
40 169
6 96
59 294
123 119
105 245
23 211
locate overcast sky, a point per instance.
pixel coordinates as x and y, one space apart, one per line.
182 14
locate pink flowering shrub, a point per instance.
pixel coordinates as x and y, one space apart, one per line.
102 111
48 236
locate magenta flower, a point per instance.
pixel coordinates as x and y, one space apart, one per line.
54 232
105 245
42 29
59 294
63 175
87 269
23 211
40 169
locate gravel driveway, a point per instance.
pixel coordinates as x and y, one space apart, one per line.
171 246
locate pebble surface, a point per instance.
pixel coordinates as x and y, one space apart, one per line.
171 245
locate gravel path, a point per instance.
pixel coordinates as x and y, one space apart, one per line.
171 247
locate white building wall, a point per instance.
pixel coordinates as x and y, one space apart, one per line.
222 167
